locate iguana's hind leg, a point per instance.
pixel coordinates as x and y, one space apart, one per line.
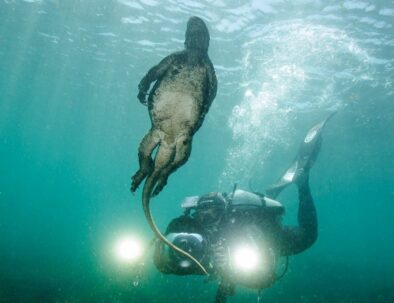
147 145
182 152
164 158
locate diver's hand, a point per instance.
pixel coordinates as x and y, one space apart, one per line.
220 258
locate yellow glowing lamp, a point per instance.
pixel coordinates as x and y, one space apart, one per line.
246 258
128 249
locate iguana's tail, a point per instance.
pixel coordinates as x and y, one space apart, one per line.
146 194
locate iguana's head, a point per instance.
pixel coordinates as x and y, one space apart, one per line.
197 35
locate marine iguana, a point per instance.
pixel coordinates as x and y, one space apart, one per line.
185 87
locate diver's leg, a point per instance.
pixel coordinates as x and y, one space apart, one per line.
296 239
221 297
182 152
147 145
307 218
225 290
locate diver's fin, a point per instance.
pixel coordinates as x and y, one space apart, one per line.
307 154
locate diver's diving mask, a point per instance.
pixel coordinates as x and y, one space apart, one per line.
210 209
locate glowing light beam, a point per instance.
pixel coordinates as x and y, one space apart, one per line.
128 250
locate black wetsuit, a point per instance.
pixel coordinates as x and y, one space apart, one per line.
295 239
288 240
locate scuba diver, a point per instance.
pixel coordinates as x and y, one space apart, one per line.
238 237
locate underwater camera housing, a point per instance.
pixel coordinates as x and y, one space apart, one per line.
242 251
192 243
168 261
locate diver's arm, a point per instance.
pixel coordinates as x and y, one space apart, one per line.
153 74
297 239
224 290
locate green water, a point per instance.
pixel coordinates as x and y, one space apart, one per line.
70 125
